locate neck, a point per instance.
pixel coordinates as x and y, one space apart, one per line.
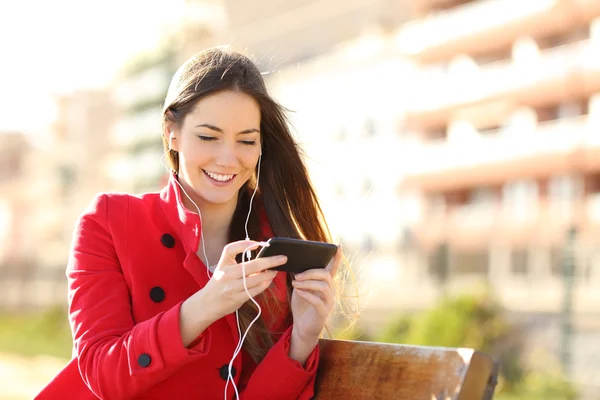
216 218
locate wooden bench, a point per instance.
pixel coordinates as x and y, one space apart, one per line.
363 370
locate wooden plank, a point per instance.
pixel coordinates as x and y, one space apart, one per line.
364 370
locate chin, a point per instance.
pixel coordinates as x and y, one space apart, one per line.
218 198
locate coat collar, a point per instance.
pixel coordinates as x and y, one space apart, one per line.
185 223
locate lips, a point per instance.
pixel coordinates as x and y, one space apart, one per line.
222 178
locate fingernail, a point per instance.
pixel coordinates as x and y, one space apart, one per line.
282 258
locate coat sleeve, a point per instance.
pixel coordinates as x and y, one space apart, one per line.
278 377
117 359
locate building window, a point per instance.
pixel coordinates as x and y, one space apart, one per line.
482 196
582 263
520 198
519 259
472 262
563 191
66 177
368 245
437 262
573 108
564 188
370 128
368 186
435 205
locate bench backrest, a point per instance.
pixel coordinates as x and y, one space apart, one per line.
364 370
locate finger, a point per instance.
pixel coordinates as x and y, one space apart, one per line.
319 286
335 263
258 265
322 289
254 291
317 274
231 250
314 301
255 280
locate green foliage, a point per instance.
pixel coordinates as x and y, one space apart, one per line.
47 332
477 321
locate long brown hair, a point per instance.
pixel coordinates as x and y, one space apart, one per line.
285 194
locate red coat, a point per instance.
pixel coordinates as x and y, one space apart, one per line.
133 262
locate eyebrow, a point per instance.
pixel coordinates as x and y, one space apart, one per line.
214 128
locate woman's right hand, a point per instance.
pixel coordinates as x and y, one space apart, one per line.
225 290
224 293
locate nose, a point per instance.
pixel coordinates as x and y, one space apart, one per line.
227 157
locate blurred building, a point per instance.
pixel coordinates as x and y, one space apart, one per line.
504 119
345 111
47 181
13 151
287 32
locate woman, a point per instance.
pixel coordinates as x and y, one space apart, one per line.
155 279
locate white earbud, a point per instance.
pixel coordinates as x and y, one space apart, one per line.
171 138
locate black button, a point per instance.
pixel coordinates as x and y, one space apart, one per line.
224 371
144 360
168 240
157 294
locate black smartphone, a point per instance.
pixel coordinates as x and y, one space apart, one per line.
301 254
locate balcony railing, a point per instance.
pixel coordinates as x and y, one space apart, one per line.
470 20
439 91
504 145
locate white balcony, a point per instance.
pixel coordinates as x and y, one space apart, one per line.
552 147
535 78
494 22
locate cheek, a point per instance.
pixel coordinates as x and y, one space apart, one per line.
249 162
196 156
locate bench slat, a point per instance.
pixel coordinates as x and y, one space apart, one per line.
365 370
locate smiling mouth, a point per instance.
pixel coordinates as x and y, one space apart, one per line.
219 177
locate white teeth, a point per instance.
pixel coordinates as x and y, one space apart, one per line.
218 177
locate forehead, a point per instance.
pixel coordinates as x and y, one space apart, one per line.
226 110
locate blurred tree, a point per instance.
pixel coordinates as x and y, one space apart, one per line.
477 321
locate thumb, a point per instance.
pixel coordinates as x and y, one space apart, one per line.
231 250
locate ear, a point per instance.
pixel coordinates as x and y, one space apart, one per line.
171 133
173 144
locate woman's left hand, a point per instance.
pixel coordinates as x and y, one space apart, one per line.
313 299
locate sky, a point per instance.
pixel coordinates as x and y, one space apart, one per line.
56 46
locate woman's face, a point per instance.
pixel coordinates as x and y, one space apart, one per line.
219 145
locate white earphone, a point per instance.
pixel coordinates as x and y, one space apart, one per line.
171 138
246 255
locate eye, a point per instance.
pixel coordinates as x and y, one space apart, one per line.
207 138
249 142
